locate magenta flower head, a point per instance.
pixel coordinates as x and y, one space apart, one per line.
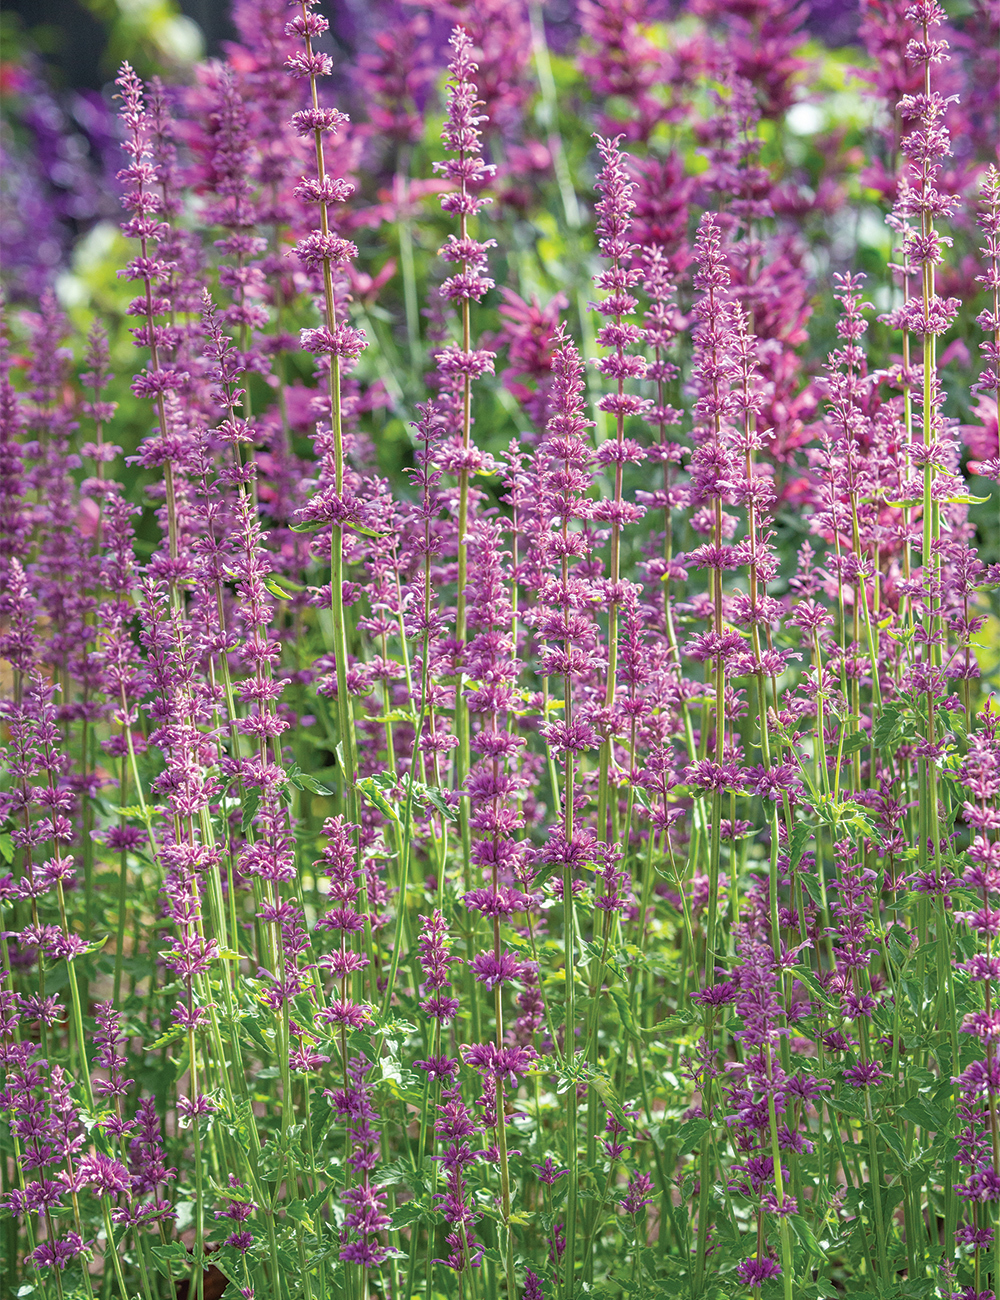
461 134
614 231
468 172
547 1172
637 1193
755 1272
457 366
506 1065
365 1201
108 1040
532 1286
866 1075
492 970
238 1209
435 958
106 1176
60 1252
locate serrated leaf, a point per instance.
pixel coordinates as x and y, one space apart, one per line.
847 1105
807 978
298 1211
287 582
893 1141
370 789
690 1134
803 1230
169 1036
801 834
433 795
602 1086
396 715
887 726
307 782
852 743
547 872
671 1027
924 1114
250 805
625 1013
413 1212
170 1255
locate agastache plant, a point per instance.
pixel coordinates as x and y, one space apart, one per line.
498 766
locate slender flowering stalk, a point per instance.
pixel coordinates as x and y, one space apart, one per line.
614 227
335 342
459 364
158 380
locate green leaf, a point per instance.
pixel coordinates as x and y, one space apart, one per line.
276 589
820 1290
801 833
671 1027
250 805
6 847
368 786
847 1105
307 782
285 581
805 1234
309 526
170 1036
812 888
924 1113
95 946
852 743
546 873
690 1135
365 532
806 977
414 1211
433 795
602 1086
625 1013
893 1141
173 1254
887 727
